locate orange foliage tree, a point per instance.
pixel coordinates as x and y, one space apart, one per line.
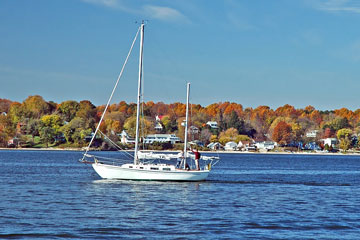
282 133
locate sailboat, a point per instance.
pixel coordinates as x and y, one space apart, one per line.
148 166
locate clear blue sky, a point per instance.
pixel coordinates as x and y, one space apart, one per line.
303 52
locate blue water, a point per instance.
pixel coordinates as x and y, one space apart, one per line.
49 195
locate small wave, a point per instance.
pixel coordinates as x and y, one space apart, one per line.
337 227
279 182
270 227
36 235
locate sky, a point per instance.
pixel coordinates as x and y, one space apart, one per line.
252 52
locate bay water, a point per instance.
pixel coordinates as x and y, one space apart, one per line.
50 195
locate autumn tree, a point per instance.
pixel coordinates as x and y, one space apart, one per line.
16 112
282 133
6 129
4 105
232 134
146 126
35 107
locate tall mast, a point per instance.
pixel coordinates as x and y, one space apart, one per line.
186 122
139 94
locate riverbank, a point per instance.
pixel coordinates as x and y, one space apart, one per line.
213 152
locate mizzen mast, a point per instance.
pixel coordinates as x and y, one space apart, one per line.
136 160
186 122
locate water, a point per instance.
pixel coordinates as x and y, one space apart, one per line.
49 195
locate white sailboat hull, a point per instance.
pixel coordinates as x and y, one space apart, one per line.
120 172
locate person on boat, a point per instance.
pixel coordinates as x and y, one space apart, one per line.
197 158
180 159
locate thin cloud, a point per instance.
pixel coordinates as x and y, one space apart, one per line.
339 6
162 13
165 13
106 3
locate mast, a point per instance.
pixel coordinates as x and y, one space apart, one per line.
186 122
139 94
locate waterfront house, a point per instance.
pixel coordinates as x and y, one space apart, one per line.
215 146
230 146
171 138
312 133
212 124
243 144
312 146
126 139
265 145
193 130
331 142
158 127
197 143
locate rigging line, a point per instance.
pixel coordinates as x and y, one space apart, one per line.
107 158
106 137
112 93
142 123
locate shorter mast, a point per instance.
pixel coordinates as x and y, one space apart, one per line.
139 94
186 122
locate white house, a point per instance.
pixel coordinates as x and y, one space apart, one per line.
126 139
243 144
266 145
151 138
158 127
329 141
230 146
312 133
214 146
212 124
193 130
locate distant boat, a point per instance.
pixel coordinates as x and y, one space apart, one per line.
151 166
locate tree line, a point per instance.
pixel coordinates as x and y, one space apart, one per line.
36 121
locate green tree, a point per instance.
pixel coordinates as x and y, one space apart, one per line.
337 124
53 121
72 130
68 109
344 136
170 124
235 122
32 128
47 135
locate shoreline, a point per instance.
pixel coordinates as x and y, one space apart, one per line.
213 152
